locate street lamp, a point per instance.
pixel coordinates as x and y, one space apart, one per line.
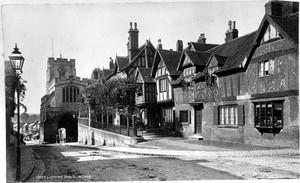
17 61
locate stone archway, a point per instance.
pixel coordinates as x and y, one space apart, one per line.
69 121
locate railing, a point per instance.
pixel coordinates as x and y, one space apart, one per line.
120 129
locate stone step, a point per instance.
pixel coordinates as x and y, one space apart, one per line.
196 137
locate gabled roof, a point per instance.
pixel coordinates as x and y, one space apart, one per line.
197 58
200 76
235 51
107 73
287 26
201 46
221 59
231 54
170 58
121 62
145 74
148 45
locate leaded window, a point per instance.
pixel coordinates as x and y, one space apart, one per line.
269 114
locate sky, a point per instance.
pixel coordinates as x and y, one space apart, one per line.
92 31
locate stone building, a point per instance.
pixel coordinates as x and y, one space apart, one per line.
248 91
60 107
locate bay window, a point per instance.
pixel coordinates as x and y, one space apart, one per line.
268 116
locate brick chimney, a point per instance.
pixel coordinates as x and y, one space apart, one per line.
133 41
281 8
179 45
273 8
159 45
202 39
232 32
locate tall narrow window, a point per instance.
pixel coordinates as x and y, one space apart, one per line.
71 94
67 95
163 85
64 95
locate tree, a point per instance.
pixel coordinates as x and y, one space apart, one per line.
24 117
113 95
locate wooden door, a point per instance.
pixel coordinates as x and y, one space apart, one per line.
198 121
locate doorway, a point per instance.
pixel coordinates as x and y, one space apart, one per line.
69 122
198 121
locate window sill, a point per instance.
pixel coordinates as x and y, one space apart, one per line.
268 127
269 130
265 76
185 123
228 126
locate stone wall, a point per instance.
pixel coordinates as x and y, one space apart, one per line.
93 136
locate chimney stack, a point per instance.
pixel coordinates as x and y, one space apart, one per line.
133 41
179 45
159 45
135 26
232 32
281 8
202 39
273 8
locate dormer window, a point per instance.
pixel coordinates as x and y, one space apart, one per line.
210 77
141 62
190 71
271 34
161 71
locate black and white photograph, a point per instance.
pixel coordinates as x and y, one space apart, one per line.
148 91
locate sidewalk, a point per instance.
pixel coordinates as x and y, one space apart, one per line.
27 162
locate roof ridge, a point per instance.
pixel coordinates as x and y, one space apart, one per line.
230 41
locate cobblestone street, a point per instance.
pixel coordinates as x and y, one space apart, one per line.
162 159
68 163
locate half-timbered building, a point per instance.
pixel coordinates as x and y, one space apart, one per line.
164 71
248 91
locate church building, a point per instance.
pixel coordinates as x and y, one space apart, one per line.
59 106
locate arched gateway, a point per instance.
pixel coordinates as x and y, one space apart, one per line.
69 122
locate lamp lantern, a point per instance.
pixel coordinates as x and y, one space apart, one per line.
16 60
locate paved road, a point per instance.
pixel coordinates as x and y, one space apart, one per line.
58 163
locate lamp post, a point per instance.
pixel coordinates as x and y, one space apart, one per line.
17 61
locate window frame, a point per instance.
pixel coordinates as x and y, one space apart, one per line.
228 115
239 116
262 68
184 116
271 34
70 94
262 65
163 85
210 78
266 118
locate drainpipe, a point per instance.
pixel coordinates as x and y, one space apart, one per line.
89 135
